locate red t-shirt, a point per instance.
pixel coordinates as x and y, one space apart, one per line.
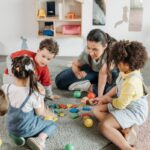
42 73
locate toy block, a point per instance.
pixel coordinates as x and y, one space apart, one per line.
74 115
85 108
74 106
74 110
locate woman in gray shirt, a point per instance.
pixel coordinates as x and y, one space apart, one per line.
92 70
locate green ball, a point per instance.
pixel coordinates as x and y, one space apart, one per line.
77 94
69 147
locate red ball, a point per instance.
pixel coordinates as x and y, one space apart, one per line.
91 95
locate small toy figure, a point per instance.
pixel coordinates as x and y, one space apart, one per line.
71 15
41 13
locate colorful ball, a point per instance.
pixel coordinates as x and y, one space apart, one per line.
77 94
69 147
88 122
91 95
1 142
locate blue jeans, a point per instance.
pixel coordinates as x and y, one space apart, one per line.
65 78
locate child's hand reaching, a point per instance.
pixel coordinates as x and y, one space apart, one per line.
104 99
53 97
49 115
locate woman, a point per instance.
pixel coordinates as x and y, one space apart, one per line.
92 70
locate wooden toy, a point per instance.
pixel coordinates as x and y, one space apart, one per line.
91 95
77 94
88 122
41 13
63 106
69 105
1 142
71 15
74 115
61 114
50 118
74 110
85 108
69 147
57 111
74 106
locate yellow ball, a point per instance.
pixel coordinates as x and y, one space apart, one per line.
88 122
0 142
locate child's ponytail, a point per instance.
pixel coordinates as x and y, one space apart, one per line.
23 68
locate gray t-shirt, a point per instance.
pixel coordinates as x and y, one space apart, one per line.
84 58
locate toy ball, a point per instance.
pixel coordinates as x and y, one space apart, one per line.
77 94
69 147
91 95
0 142
88 122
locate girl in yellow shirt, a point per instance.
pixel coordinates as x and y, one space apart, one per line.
130 107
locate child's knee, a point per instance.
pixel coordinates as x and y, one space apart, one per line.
103 126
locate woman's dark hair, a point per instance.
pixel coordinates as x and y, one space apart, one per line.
22 68
97 35
133 53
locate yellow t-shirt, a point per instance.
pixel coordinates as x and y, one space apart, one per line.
131 90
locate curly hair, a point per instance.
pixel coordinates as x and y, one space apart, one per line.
133 53
50 45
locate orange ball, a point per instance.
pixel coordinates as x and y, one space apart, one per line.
91 95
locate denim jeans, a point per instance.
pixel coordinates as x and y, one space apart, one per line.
65 78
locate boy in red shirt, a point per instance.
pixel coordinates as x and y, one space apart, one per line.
48 49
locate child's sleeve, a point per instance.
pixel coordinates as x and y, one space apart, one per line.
48 91
125 98
37 100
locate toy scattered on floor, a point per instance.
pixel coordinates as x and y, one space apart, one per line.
74 110
50 118
69 147
74 106
91 95
87 121
77 94
88 101
20 141
85 108
74 115
63 106
1 142
61 114
69 105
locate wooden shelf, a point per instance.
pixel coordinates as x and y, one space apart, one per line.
57 22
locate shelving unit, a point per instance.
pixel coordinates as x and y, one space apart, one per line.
66 22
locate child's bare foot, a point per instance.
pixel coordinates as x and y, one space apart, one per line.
130 135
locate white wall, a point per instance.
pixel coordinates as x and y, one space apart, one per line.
18 19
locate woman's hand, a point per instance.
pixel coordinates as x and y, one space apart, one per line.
80 74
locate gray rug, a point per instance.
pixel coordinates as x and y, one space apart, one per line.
69 131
